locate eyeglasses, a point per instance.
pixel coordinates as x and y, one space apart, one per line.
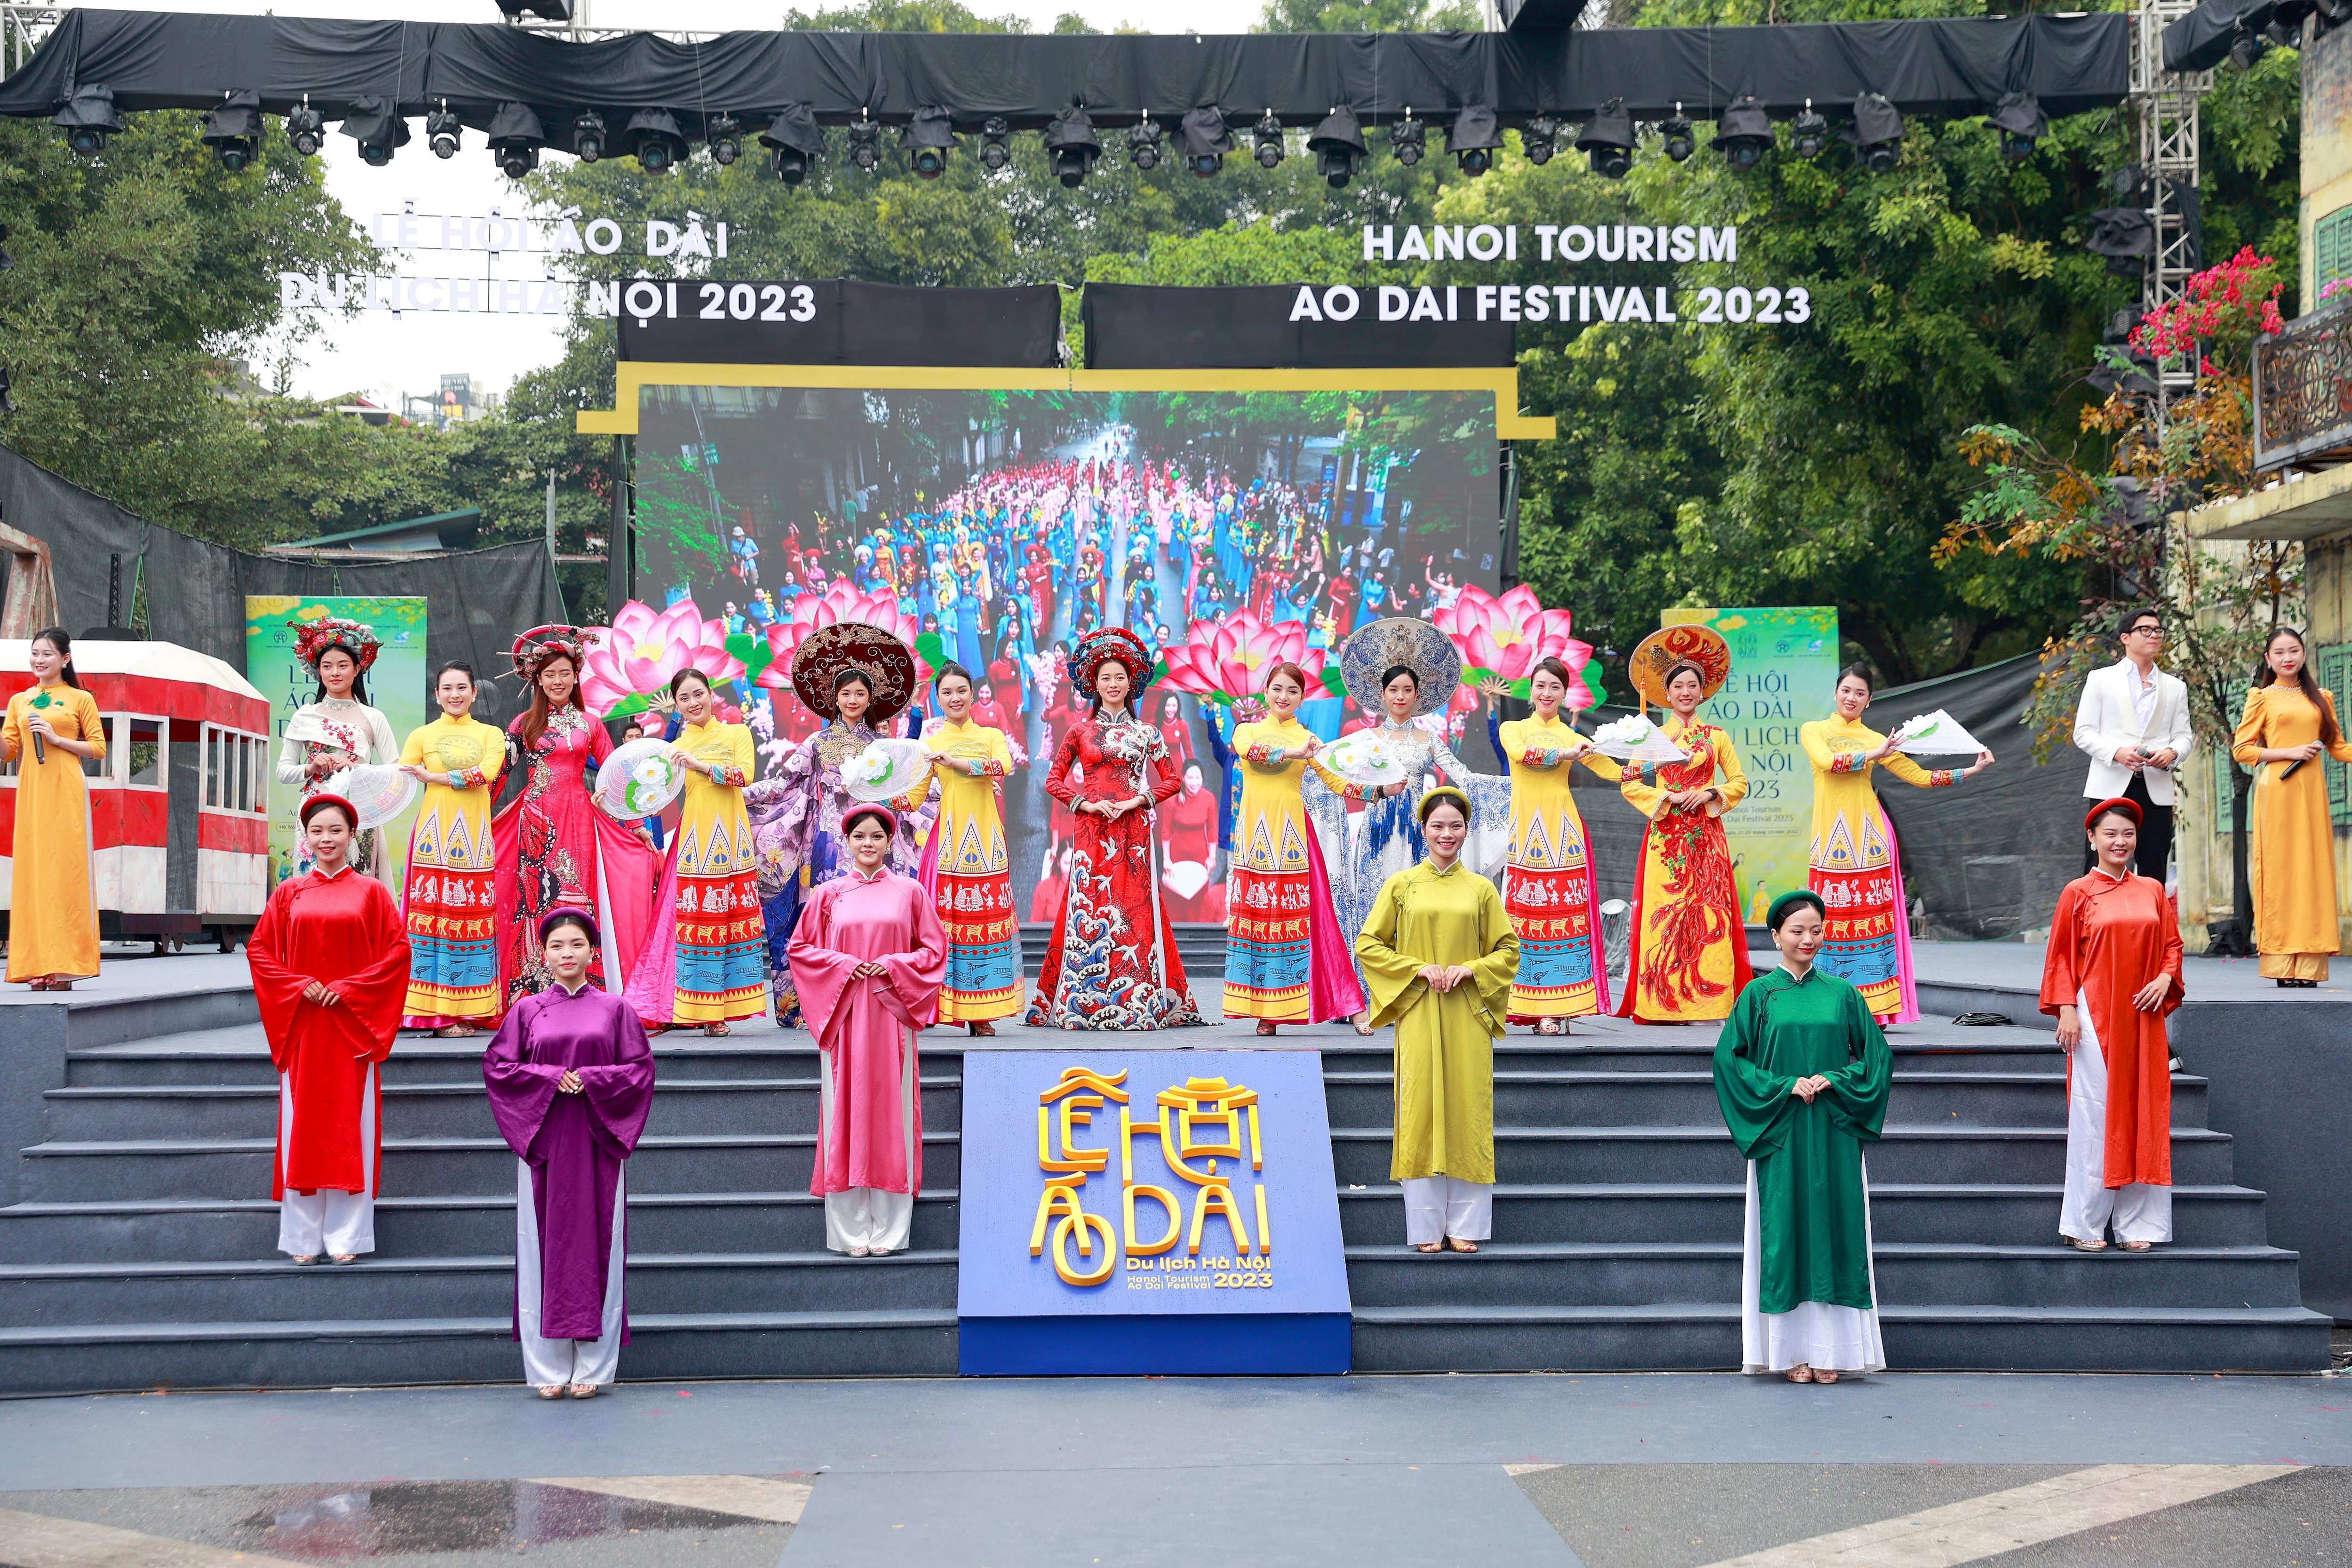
2146 631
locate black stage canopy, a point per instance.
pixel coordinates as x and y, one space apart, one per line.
864 323
1134 327
1933 66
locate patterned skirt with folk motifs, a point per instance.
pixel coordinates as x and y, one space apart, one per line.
1549 896
452 908
1867 934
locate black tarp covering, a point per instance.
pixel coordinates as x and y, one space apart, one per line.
858 323
1930 66
2202 39
1133 327
475 601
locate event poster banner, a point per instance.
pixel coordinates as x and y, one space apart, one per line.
994 528
1784 665
1149 1210
395 685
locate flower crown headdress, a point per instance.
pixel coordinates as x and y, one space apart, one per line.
313 638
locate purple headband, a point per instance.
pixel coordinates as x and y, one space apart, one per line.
547 923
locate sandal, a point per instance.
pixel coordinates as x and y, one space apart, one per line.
860 1251
1429 1247
345 1258
457 1032
40 984
1458 1245
1799 1374
878 1252
1265 1027
716 1031
2081 1245
584 1391
60 984
551 1391
304 1262
983 1031
1364 1026
1548 1026
2135 1245
1825 1377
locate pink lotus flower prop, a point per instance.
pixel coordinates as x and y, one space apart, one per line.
1227 660
1503 638
842 602
643 648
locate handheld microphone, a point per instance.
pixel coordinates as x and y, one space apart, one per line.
2288 772
41 752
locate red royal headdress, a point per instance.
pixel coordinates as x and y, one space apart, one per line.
534 648
313 638
1097 648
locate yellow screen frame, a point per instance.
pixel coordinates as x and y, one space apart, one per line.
634 375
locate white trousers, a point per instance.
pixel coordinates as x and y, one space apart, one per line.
1817 1334
869 1216
1438 1206
334 1223
545 1361
2138 1212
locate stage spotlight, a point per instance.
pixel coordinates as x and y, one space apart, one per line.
2018 118
2246 48
1204 139
306 129
88 119
1681 140
8 404
1072 147
1809 133
588 136
233 130
1338 144
865 144
1407 137
1877 133
1540 139
1143 144
995 150
1473 138
379 129
652 134
1607 141
795 141
1267 135
516 136
928 139
2286 26
1743 134
725 134
441 131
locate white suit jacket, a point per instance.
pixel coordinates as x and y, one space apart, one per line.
2107 720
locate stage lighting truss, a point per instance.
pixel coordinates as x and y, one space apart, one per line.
1267 135
865 143
1407 138
655 136
995 144
2018 117
516 136
441 131
306 129
378 127
1338 145
724 133
1607 141
1540 139
1204 139
1743 134
1877 133
1809 133
233 130
1072 147
88 119
1143 144
794 142
588 136
1474 139
928 139
1681 140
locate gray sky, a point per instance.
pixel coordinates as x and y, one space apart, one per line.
386 355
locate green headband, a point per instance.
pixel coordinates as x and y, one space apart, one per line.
1442 792
1787 901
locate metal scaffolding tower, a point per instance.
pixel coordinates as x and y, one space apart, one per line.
2165 104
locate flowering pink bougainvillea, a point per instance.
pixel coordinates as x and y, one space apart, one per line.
1507 637
1229 658
842 602
643 648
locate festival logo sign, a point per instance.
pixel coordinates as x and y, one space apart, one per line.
1784 665
395 685
1148 1212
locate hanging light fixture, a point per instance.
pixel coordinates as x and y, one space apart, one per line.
1877 133
1143 143
88 119
928 139
995 144
1407 138
1809 133
654 135
588 136
306 129
2018 118
1680 139
1072 147
724 133
1743 134
233 130
794 142
378 127
1204 139
516 136
1607 141
1474 138
865 143
1338 145
1267 135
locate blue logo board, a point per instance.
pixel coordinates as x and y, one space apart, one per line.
1152 1211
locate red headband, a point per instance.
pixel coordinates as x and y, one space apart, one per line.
311 808
2128 807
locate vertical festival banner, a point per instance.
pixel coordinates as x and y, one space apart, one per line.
396 686
1784 664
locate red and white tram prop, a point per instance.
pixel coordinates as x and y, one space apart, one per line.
180 806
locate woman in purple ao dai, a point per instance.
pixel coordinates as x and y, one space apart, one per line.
571 1079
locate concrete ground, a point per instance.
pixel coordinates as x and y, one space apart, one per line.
1660 1471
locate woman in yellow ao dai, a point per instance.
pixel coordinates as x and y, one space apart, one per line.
1287 954
1548 888
452 903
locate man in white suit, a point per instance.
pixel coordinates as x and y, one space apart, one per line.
2133 724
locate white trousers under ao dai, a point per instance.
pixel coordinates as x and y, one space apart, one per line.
1816 1334
329 1222
1438 1206
869 1216
2137 1211
559 1362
